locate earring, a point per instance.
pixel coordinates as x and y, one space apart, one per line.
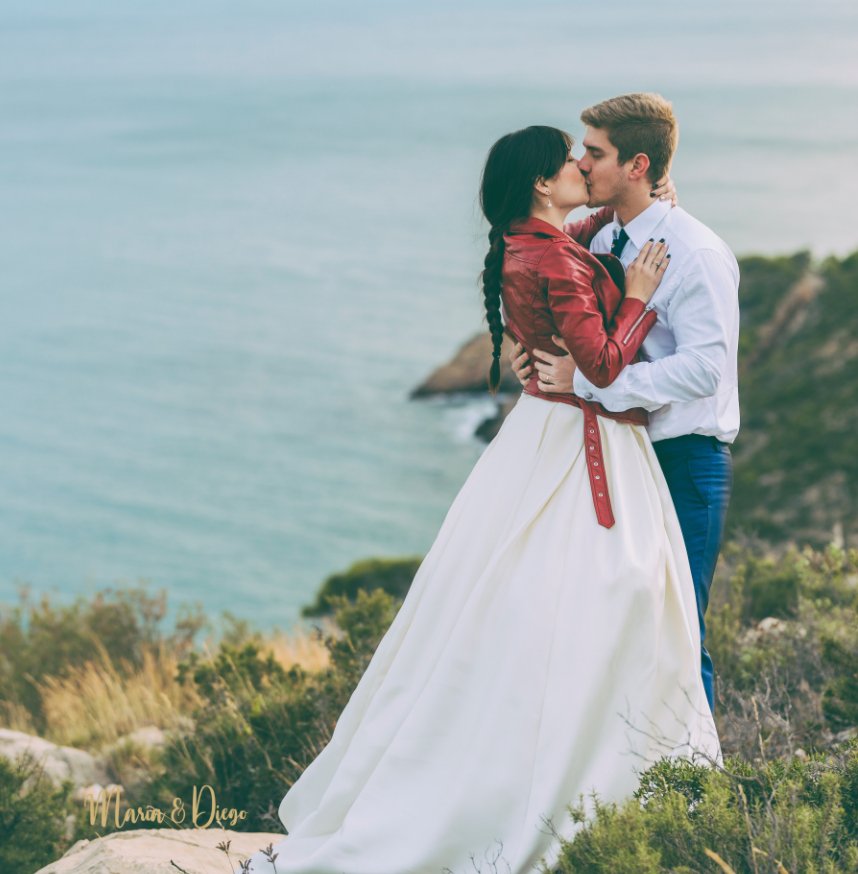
549 201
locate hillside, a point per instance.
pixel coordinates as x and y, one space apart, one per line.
796 470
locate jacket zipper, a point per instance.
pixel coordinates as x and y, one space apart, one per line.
637 321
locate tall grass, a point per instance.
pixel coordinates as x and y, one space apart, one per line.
98 702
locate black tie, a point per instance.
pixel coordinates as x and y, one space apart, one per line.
619 243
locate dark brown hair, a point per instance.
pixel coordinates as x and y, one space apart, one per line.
513 165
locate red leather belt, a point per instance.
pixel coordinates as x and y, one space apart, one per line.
596 467
593 443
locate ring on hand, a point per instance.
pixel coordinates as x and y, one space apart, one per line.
657 264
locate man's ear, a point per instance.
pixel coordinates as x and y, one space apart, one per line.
639 167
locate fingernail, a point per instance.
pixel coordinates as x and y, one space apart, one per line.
652 194
668 255
661 240
651 240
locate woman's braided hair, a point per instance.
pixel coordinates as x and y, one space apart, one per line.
513 165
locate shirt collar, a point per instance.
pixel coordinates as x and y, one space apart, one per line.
642 227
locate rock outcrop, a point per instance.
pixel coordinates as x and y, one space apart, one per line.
59 763
162 851
467 372
488 428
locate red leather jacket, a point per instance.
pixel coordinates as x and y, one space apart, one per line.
552 284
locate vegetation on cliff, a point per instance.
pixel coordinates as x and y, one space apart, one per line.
247 713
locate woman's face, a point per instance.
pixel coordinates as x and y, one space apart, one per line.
569 187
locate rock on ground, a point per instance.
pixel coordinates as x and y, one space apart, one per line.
59 763
488 429
153 851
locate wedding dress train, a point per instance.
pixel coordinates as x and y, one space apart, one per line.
538 658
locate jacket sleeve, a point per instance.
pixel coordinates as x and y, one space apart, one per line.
704 320
584 230
600 351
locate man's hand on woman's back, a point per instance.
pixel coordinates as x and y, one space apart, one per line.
520 362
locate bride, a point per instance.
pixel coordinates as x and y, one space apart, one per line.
548 648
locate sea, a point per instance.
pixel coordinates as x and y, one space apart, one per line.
234 236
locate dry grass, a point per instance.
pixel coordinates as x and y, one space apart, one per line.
15 716
299 647
99 701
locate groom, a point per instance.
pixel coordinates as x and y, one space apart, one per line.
688 381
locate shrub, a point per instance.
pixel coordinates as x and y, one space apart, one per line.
789 681
32 816
783 816
261 724
392 575
840 695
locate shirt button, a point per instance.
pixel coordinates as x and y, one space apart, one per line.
588 395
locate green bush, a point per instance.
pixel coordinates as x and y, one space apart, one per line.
262 725
393 575
770 588
236 670
840 695
795 816
32 816
789 681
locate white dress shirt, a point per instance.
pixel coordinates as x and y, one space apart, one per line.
688 380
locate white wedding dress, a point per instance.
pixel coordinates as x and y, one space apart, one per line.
537 658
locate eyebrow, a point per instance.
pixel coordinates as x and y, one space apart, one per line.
592 148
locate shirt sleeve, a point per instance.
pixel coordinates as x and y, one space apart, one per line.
600 351
584 230
703 316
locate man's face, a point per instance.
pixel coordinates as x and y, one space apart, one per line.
606 179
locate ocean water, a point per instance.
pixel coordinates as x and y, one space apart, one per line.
234 236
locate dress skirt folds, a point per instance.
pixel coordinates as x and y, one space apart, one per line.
537 659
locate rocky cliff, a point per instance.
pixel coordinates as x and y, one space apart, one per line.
467 372
796 469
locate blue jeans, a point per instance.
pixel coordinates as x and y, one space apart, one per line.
699 474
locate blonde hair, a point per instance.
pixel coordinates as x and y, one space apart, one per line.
642 122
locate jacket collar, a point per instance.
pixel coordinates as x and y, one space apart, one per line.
537 226
643 226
